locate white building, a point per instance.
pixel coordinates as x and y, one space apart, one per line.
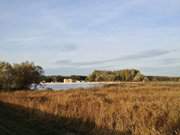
68 80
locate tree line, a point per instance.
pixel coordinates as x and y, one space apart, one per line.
121 75
22 75
19 76
126 75
60 78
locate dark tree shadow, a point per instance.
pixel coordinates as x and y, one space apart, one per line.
17 120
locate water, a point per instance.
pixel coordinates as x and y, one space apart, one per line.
66 86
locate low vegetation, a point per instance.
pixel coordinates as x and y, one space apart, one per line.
122 109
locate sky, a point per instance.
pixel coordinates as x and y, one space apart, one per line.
78 36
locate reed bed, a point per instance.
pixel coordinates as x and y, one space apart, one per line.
130 108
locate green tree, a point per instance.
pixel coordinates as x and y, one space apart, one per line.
19 76
25 74
121 75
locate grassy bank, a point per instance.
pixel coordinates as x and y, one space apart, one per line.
127 108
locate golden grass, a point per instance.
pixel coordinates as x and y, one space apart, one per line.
139 108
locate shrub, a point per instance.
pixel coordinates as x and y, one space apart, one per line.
19 76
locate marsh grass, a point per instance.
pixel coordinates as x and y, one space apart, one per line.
130 108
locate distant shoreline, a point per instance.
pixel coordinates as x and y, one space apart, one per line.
59 83
118 82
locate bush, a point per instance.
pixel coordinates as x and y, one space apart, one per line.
19 76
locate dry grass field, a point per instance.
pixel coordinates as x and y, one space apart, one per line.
122 109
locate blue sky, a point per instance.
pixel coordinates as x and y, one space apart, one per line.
78 36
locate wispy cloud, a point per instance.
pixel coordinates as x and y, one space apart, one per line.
138 56
162 70
28 43
169 61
